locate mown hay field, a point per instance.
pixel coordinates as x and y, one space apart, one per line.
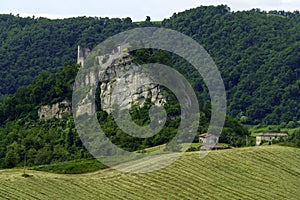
268 172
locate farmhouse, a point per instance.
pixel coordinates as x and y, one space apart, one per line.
269 137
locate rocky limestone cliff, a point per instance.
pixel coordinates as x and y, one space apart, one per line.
121 82
58 110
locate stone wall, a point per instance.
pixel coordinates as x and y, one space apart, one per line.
82 54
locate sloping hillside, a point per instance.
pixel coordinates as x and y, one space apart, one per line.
257 53
270 172
258 56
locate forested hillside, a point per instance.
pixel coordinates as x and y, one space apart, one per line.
54 140
257 53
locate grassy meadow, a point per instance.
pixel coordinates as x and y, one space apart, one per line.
266 172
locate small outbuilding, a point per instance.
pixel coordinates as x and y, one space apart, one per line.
203 137
210 142
208 138
269 137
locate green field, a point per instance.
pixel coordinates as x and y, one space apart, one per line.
71 167
268 172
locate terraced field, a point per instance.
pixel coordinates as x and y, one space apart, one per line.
270 172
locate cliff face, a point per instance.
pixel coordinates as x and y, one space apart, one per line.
121 82
58 110
125 84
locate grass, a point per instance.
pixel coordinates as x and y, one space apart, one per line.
186 145
72 167
163 146
267 172
155 148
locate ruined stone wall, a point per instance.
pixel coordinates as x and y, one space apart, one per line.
82 54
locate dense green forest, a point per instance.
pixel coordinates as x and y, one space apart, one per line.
42 142
257 53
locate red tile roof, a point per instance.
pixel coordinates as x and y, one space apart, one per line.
204 135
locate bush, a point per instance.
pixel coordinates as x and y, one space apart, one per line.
193 149
26 175
291 124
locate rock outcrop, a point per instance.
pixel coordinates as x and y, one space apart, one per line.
58 110
122 83
125 84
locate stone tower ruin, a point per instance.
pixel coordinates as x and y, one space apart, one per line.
82 54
